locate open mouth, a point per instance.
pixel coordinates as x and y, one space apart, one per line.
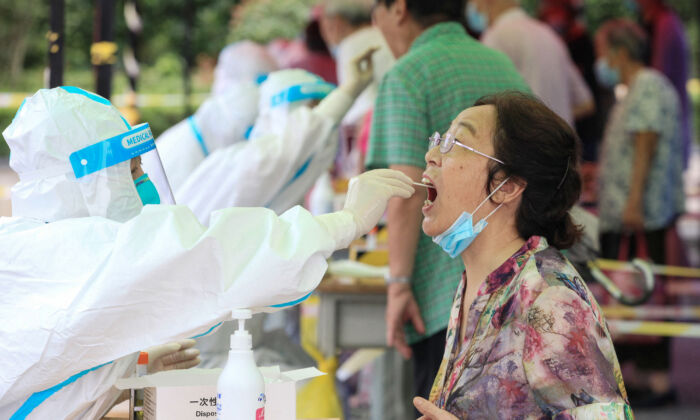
432 192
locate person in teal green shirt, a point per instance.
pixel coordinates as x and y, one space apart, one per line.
440 71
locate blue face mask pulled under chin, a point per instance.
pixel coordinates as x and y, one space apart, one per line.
147 191
606 75
476 20
463 231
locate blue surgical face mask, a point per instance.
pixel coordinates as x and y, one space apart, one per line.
147 191
463 231
334 51
475 19
606 75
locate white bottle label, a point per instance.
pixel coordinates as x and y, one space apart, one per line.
259 412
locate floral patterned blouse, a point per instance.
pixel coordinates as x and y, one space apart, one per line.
536 346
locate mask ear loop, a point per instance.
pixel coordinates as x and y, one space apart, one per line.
488 197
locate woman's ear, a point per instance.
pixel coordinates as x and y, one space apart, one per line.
399 9
510 191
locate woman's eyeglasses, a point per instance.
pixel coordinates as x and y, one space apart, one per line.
446 143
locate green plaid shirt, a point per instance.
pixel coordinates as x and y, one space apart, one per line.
443 73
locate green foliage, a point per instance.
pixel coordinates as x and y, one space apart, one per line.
6 115
163 31
265 20
160 119
598 11
164 27
151 81
169 64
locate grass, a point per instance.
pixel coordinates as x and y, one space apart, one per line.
153 80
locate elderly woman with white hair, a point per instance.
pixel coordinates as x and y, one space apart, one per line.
641 183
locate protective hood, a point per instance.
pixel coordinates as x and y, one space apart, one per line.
224 119
221 121
48 127
283 92
243 61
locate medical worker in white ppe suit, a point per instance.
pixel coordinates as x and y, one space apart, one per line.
239 61
89 276
222 120
225 118
290 146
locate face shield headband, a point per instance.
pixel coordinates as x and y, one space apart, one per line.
300 92
136 142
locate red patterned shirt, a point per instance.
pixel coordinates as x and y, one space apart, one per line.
536 346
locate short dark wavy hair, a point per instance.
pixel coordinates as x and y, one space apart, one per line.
625 34
430 12
540 148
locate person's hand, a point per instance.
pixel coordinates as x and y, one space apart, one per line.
369 193
401 308
176 355
360 73
633 216
430 410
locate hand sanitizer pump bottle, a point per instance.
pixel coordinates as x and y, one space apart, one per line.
241 388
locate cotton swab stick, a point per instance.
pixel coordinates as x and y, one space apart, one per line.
423 185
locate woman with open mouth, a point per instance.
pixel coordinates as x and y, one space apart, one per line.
526 338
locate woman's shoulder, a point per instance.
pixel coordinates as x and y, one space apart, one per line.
651 83
568 355
552 275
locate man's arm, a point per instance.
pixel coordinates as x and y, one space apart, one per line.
404 225
399 127
644 149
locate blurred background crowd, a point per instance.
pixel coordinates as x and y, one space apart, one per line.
169 57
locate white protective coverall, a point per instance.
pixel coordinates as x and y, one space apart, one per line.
89 277
223 119
220 121
290 146
241 61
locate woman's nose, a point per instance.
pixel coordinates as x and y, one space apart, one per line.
433 156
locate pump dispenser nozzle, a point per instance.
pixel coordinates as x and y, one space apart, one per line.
241 339
241 387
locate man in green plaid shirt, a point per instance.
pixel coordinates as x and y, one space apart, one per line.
440 71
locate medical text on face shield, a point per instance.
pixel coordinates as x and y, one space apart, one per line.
136 139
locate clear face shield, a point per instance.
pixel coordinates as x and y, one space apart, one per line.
137 146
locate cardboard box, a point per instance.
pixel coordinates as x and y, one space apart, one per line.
191 394
281 392
193 402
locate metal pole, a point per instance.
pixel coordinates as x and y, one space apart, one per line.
189 12
103 49
134 27
55 37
